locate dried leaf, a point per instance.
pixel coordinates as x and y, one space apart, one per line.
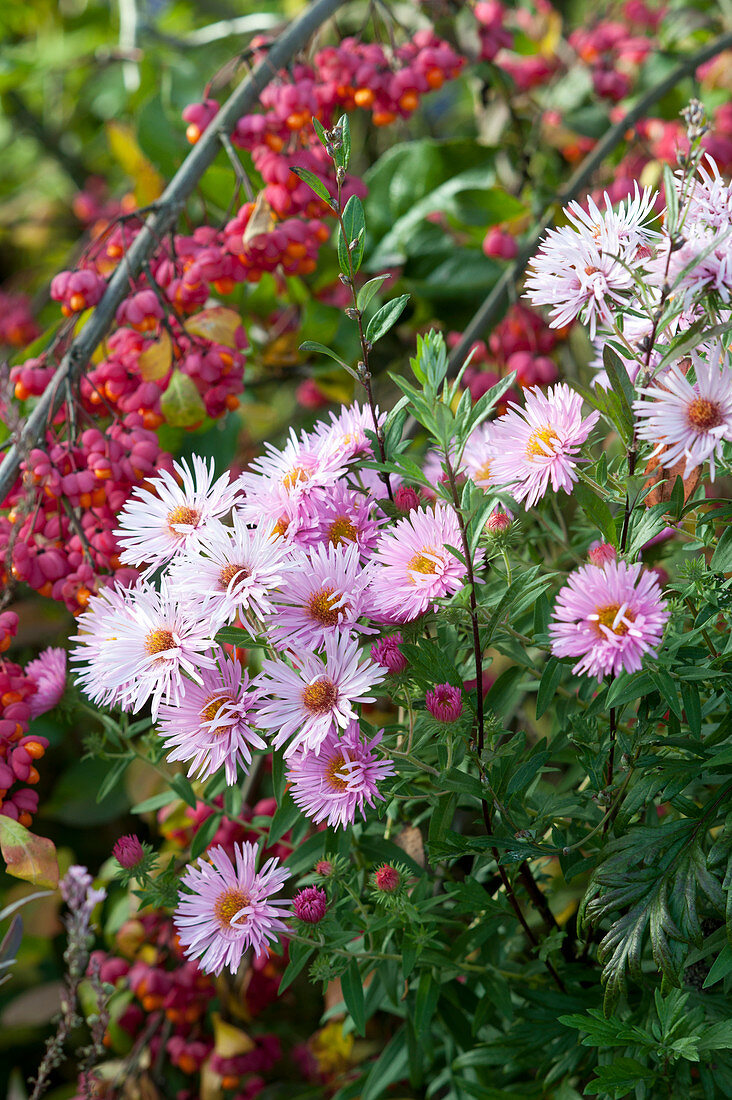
155 360
218 324
664 479
123 144
410 841
262 220
230 1040
28 856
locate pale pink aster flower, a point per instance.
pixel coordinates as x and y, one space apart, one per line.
701 265
710 197
477 455
624 230
444 702
345 437
609 617
48 673
213 724
334 784
237 569
339 516
279 480
415 566
537 445
317 697
686 420
327 593
139 644
156 526
229 908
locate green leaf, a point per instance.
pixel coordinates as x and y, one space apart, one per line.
204 835
385 318
441 817
620 1077
352 987
321 349
299 955
155 802
622 387
351 242
113 777
392 1065
722 557
596 511
320 131
181 404
550 680
285 816
184 790
314 183
428 993
368 290
342 155
721 967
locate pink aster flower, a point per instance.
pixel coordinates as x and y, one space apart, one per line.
278 481
48 673
327 593
345 436
477 455
444 702
317 697
334 784
310 905
229 908
236 569
156 526
537 445
338 516
415 566
137 644
609 617
688 420
213 724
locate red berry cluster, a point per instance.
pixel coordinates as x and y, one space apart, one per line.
18 751
17 326
171 991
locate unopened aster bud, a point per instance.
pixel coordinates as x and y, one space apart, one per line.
128 851
406 498
387 879
600 553
499 521
387 653
310 904
444 703
324 868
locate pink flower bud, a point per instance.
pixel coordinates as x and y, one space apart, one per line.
444 703
387 879
310 904
128 851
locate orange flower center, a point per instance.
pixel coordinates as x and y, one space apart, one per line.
333 780
159 641
320 697
229 904
232 572
342 530
420 563
606 617
483 473
280 528
704 414
211 708
183 514
546 437
296 474
322 607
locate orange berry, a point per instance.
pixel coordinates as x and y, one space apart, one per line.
9 697
187 1063
25 819
5 643
297 250
66 311
229 1082
151 420
435 79
46 589
224 286
114 561
33 776
98 497
21 391
193 133
232 402
227 359
102 472
114 251
409 101
82 596
275 142
363 97
85 500
34 749
77 302
305 267
383 118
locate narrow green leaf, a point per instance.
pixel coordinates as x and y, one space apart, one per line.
442 816
385 318
314 183
351 243
204 835
184 790
342 155
622 387
156 802
367 291
113 776
721 967
285 816
352 987
722 557
596 510
550 679
428 992
320 131
299 955
391 1066
313 345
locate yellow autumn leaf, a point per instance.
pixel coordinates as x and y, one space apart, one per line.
155 360
229 1040
261 220
552 34
339 391
125 149
26 855
219 324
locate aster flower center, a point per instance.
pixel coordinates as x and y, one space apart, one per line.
333 780
541 443
606 616
229 904
704 414
296 475
325 607
420 563
212 707
159 641
280 528
182 514
483 473
342 530
320 696
232 572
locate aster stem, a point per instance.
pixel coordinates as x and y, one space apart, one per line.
611 755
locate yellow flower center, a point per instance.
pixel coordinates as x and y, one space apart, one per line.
296 474
420 563
704 414
280 527
183 514
322 607
540 443
333 780
320 696
342 530
159 641
232 572
229 904
483 473
606 617
211 708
